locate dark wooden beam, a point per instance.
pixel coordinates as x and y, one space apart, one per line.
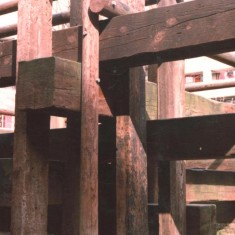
201 219
52 84
191 138
169 33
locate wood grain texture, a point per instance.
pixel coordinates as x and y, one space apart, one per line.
131 159
209 185
30 165
169 33
88 216
179 22
131 180
212 164
52 84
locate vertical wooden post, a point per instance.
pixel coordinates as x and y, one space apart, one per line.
30 165
131 178
172 201
71 187
89 124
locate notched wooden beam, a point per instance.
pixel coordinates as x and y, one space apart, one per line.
203 137
51 84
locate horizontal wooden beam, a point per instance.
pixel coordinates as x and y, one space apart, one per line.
169 33
208 185
163 34
202 137
212 164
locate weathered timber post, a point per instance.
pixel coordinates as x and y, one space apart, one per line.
172 202
30 163
131 169
88 216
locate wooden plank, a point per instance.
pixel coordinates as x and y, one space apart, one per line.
30 165
201 219
204 185
62 79
131 159
167 34
206 137
171 175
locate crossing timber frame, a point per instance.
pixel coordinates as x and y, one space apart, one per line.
93 70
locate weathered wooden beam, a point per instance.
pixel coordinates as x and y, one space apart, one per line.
168 33
201 219
191 138
209 185
160 24
212 164
52 84
31 139
111 8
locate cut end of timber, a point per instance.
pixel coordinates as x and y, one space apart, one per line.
96 6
